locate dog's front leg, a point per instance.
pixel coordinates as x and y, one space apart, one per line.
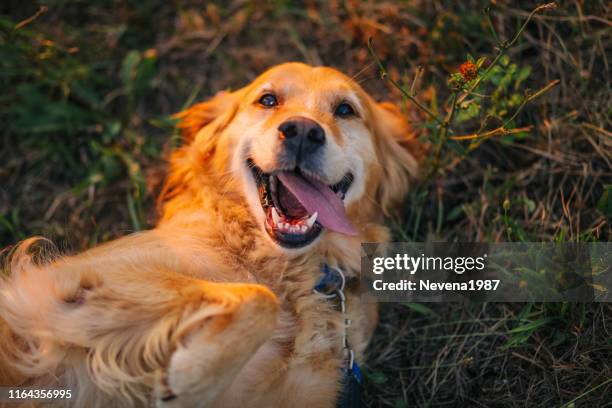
213 351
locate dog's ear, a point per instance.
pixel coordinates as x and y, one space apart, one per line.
201 126
217 111
398 154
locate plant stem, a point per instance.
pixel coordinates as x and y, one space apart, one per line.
503 128
502 49
418 73
443 133
491 133
407 94
491 26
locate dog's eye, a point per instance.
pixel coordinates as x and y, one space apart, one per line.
268 100
344 110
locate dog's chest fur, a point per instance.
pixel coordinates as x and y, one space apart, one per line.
302 359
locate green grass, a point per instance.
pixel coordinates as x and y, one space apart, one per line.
89 88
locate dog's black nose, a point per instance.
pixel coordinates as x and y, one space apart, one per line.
301 136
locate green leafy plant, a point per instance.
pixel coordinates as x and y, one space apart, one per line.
467 99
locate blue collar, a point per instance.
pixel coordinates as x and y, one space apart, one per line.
331 281
331 285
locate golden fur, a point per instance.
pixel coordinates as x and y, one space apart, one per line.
205 307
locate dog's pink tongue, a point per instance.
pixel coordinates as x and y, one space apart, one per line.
316 196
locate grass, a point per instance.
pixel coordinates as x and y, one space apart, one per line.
88 90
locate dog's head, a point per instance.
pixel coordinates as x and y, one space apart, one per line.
308 149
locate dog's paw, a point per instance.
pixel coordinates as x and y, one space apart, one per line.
212 353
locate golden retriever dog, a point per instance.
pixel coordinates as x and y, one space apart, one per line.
215 306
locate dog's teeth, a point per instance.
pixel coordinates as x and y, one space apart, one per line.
275 217
311 220
303 228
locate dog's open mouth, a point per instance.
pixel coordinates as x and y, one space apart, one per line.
299 207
